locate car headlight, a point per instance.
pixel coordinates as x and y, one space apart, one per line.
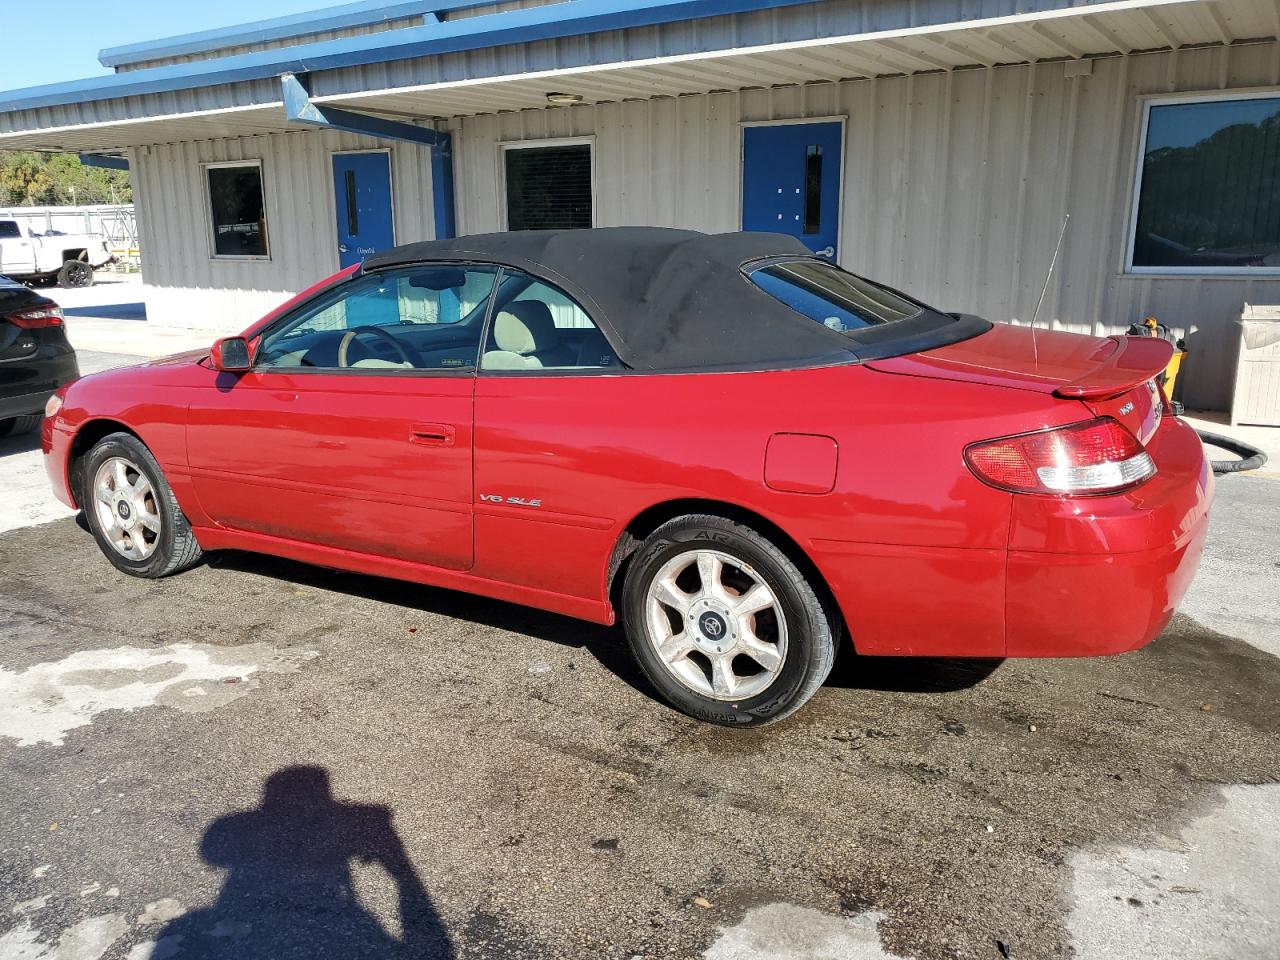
52 405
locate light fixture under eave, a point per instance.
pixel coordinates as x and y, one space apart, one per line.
564 99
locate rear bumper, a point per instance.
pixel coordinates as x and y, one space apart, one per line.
33 381
1092 576
22 404
1082 576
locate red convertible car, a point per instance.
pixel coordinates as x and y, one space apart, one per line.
742 451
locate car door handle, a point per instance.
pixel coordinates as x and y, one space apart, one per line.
432 434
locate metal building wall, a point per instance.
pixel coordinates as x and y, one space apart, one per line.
185 286
956 185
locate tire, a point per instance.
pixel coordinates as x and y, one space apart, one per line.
16 425
666 604
75 273
169 546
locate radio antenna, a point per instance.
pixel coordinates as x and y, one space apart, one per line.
1045 289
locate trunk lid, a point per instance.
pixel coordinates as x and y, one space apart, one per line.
1111 376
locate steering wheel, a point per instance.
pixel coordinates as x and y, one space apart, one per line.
344 345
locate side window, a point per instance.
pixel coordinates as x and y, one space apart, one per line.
238 209
421 318
539 327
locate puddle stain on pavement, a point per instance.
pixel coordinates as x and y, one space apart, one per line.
40 704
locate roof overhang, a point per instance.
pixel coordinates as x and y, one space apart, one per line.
362 13
1070 33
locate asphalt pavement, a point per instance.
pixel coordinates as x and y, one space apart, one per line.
263 759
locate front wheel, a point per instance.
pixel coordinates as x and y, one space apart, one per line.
724 624
132 511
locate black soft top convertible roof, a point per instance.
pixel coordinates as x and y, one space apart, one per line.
666 299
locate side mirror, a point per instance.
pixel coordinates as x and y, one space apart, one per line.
231 355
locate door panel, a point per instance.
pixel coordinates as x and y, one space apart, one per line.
791 182
375 464
17 253
362 201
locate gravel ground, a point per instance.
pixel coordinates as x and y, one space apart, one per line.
263 759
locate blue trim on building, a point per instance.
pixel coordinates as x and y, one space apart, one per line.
360 14
554 21
299 109
102 160
442 202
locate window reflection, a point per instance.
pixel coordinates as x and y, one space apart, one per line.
1210 188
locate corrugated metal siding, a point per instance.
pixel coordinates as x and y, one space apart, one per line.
186 286
362 30
956 185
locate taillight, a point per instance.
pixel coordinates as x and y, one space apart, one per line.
1097 456
38 317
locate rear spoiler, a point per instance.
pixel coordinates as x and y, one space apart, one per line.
1133 361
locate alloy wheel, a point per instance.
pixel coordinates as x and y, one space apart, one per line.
716 625
127 510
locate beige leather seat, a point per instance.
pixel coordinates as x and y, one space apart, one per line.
525 330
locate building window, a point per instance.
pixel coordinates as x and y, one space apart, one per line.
1207 198
236 203
548 186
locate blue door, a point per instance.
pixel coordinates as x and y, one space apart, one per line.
362 199
791 182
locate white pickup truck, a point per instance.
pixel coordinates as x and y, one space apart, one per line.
71 257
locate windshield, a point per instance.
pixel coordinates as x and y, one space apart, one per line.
838 300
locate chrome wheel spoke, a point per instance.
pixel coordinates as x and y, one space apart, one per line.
666 592
676 647
120 475
753 601
149 520
724 683
138 542
102 493
710 569
765 654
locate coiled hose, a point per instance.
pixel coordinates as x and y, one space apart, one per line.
1251 458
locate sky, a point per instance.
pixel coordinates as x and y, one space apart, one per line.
49 42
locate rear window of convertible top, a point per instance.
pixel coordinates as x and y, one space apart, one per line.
833 297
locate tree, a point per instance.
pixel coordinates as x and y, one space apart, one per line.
58 179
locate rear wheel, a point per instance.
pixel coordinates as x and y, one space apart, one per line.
132 511
724 624
75 273
16 425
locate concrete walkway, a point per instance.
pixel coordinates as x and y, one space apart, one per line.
110 317
1266 439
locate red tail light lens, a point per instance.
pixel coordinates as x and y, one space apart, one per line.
1097 456
39 317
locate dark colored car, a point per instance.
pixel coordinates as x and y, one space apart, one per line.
35 356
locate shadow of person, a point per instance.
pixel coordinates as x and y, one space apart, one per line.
289 890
